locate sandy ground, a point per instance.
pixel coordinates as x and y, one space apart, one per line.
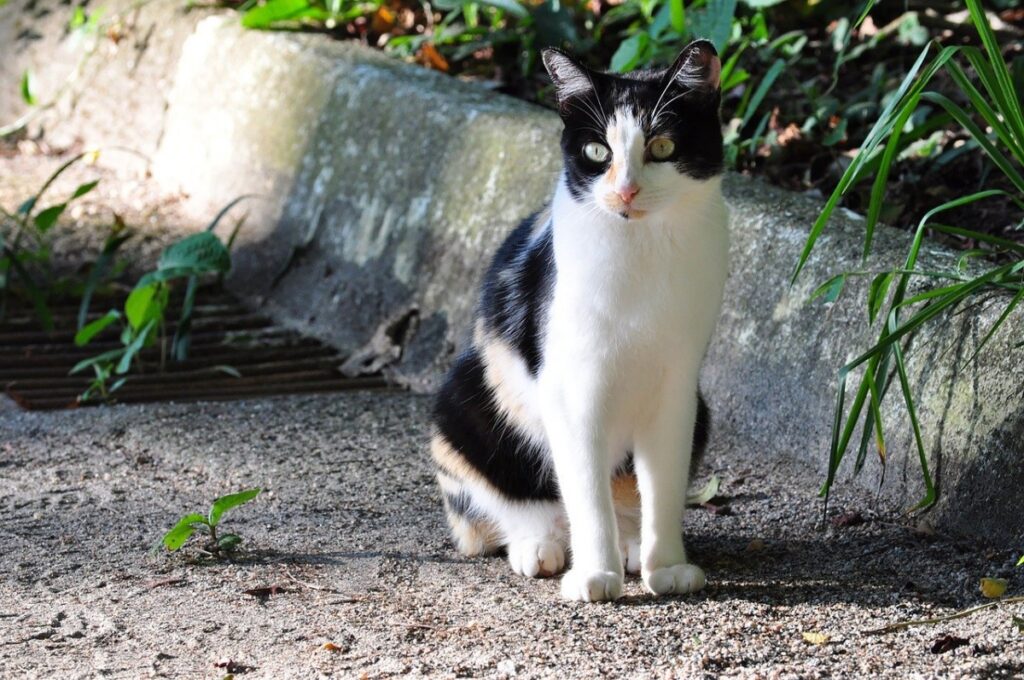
351 531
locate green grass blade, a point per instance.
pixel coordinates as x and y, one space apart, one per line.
882 176
908 399
1009 101
980 137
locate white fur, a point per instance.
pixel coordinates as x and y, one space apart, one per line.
635 302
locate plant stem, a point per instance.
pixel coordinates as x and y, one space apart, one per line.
941 619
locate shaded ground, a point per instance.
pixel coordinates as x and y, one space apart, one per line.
351 528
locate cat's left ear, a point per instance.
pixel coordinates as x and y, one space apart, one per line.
568 76
696 68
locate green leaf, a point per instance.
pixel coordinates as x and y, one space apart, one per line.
28 88
831 289
134 347
265 16
90 330
198 254
182 531
767 80
511 6
709 491
714 22
229 542
1020 562
678 15
229 370
225 503
877 293
47 218
145 303
99 269
83 189
103 359
630 53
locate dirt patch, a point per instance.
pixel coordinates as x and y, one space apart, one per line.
351 533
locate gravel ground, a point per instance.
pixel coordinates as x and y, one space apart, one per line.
351 531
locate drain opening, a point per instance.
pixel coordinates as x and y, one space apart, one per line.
235 354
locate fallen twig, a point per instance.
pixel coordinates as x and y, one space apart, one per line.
900 625
313 586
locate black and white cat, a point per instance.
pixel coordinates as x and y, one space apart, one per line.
569 421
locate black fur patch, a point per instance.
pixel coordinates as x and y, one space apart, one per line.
468 417
517 289
460 503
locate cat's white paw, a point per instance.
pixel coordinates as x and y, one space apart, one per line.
536 558
677 579
630 549
594 586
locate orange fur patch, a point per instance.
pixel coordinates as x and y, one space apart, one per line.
625 493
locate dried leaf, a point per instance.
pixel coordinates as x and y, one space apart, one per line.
264 593
756 545
993 588
383 20
716 509
231 667
947 643
850 519
331 647
429 56
816 638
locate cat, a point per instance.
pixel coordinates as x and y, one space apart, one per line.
571 420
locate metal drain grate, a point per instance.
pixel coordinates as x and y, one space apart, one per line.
226 338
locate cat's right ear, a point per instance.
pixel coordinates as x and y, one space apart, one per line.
570 79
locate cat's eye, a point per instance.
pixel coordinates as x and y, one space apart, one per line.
661 148
598 153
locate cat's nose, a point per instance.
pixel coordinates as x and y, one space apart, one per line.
628 193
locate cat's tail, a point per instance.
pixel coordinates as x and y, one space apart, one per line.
472 533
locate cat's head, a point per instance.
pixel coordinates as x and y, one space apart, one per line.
633 144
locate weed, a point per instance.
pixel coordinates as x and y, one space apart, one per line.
25 265
143 318
998 105
218 545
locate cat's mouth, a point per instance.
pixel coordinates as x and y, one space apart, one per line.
632 213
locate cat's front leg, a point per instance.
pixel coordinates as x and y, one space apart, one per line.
579 449
661 457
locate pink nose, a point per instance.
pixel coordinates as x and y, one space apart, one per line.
629 193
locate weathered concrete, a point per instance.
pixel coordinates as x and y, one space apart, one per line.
385 184
393 185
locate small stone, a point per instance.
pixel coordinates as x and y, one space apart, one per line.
507 667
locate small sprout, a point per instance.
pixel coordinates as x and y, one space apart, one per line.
993 588
219 546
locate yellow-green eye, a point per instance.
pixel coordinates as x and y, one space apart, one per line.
596 152
661 148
